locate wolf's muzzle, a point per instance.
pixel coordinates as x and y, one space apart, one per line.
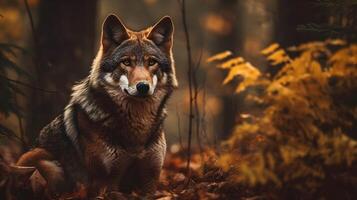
142 88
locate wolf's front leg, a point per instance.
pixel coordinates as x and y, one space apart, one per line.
150 167
148 180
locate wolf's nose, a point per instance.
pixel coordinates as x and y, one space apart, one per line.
142 88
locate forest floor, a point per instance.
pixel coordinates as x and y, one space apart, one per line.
206 180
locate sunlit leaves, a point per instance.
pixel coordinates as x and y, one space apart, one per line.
336 42
232 62
344 61
275 54
308 126
246 70
237 66
219 57
270 49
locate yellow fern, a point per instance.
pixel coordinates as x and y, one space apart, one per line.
219 56
307 126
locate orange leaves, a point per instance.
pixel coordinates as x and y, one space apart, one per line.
336 42
305 117
237 66
278 57
275 54
219 56
270 49
232 62
344 61
80 193
246 70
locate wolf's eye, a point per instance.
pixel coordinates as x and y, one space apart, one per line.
126 62
152 62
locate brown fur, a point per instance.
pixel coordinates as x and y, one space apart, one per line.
31 158
108 139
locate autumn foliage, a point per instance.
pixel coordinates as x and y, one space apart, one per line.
298 140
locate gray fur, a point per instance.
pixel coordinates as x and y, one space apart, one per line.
128 132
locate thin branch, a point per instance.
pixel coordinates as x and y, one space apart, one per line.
32 24
198 64
10 135
37 57
189 77
22 131
27 85
179 127
203 115
196 106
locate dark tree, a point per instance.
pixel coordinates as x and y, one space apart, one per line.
65 49
290 15
229 41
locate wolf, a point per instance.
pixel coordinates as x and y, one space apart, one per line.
110 136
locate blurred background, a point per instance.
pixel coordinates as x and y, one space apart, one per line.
49 45
278 123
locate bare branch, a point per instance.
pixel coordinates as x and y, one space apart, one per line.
196 106
27 85
189 77
21 127
179 127
29 14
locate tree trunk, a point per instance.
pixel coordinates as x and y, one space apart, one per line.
66 40
221 42
291 14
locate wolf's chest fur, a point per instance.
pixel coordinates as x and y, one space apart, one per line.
127 125
121 138
131 129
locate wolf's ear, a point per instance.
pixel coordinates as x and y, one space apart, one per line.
113 32
162 32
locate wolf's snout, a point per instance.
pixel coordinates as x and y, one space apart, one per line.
143 88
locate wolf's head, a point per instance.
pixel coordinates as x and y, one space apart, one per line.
134 64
